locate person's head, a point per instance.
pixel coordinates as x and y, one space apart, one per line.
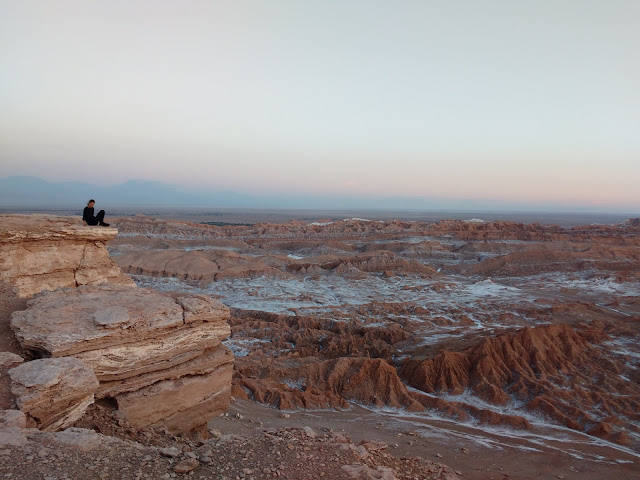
91 203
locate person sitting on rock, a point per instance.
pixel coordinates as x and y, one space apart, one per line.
89 219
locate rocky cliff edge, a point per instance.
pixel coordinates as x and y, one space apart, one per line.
45 252
94 334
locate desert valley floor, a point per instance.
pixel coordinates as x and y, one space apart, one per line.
507 335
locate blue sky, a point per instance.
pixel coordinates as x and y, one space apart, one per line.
528 101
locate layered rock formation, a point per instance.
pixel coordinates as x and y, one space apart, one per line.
159 356
544 259
549 369
559 372
200 266
7 362
355 248
205 266
376 261
45 252
330 383
370 306
332 365
53 392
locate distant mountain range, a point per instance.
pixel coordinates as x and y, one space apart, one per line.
26 191
33 191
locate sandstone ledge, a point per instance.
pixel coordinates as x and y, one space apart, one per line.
45 252
20 228
90 318
160 356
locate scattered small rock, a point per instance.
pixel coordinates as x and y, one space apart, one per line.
170 451
185 466
310 432
374 445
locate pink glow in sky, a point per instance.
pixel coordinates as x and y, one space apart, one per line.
529 101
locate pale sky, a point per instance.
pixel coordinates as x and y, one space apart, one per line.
520 101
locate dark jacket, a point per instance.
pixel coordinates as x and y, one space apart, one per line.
87 216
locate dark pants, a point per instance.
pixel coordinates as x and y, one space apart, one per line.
99 218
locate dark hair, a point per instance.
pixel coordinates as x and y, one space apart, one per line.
92 200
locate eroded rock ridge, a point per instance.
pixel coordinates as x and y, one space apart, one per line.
486 322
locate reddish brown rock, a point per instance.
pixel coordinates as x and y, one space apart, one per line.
574 376
560 258
533 365
329 383
364 380
202 266
185 466
180 404
206 363
380 261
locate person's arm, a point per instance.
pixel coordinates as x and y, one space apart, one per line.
86 214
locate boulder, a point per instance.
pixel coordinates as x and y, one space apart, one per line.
54 392
12 419
160 356
138 325
203 364
180 404
8 361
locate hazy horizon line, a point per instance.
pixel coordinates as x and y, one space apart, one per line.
169 195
